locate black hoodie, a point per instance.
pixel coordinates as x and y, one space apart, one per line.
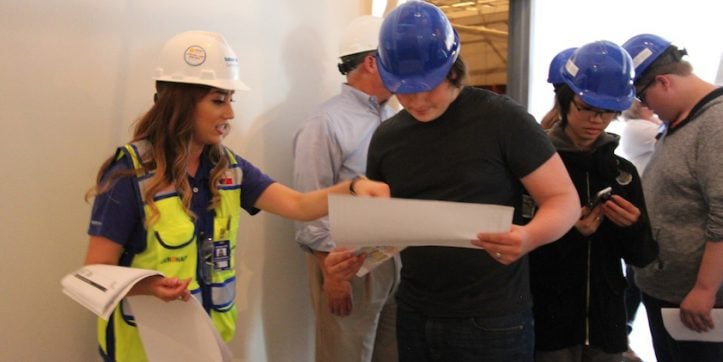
566 312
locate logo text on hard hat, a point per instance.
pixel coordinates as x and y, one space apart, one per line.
194 55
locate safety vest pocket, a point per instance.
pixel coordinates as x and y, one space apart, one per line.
223 294
174 229
172 241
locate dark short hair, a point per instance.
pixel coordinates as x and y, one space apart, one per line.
669 62
351 61
457 73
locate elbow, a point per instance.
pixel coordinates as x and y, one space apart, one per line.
572 205
307 217
303 218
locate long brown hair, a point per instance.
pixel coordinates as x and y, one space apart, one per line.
168 126
551 117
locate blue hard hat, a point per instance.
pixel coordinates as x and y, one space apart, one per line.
645 49
601 74
417 48
554 75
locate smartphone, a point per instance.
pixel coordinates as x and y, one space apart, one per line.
602 196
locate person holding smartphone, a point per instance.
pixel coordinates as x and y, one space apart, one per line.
577 281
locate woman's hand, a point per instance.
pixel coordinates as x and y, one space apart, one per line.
366 187
590 220
104 251
164 288
620 211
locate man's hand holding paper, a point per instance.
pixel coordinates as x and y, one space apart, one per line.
506 248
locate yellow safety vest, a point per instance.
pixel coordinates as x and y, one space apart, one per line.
172 247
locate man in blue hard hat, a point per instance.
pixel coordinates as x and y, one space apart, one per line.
683 184
457 143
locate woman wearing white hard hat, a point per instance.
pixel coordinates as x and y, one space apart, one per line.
170 200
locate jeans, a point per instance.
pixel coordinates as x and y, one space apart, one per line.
502 338
669 350
576 354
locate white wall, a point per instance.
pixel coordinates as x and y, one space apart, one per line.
73 76
560 24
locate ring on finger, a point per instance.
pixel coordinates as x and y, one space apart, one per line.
498 254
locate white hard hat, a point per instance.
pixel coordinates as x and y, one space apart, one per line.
199 57
361 35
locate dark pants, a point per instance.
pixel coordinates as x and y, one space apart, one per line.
632 297
504 338
669 350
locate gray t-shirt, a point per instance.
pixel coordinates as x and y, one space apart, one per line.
683 187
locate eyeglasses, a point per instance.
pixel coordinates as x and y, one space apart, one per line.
588 111
640 95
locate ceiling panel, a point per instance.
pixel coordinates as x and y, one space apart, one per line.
483 29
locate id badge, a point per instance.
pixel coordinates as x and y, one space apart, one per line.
221 257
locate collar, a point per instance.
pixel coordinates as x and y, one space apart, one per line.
563 143
696 109
370 101
204 166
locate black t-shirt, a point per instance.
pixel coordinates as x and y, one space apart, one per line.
477 151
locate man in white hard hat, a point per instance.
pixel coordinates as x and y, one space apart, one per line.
356 318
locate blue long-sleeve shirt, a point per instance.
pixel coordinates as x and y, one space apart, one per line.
330 146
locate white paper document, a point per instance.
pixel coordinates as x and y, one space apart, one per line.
170 331
375 256
362 221
677 330
177 331
100 287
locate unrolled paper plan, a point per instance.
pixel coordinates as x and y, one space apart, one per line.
175 331
362 221
100 287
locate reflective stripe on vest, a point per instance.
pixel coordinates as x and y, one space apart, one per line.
172 248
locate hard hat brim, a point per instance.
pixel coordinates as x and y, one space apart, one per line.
414 83
236 85
618 104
